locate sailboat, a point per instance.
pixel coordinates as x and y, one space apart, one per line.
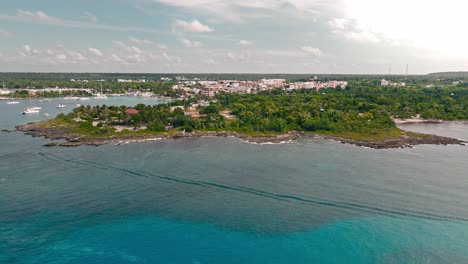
31 109
11 101
83 98
44 99
100 95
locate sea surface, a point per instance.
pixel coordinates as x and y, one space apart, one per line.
220 200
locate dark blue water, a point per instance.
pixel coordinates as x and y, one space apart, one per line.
217 200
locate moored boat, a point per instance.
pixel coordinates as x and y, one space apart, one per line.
30 110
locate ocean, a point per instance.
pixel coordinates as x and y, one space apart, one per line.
220 200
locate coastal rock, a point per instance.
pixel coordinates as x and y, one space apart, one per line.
73 139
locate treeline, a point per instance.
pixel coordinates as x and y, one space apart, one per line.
157 87
156 118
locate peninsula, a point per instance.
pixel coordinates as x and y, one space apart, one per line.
356 115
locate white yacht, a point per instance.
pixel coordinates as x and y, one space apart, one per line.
61 106
30 110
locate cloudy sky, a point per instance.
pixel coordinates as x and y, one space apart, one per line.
251 36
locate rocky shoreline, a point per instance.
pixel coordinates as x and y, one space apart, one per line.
75 140
404 142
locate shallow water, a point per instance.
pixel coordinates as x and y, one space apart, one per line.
448 129
219 200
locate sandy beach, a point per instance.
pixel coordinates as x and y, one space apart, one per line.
416 119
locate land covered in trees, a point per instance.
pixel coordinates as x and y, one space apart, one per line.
361 114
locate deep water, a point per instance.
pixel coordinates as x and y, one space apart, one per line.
219 200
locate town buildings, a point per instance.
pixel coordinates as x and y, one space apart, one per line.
211 88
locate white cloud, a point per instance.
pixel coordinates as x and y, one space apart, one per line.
171 59
61 57
355 31
141 41
37 16
192 27
90 16
246 42
5 34
76 56
136 58
147 42
338 23
238 10
313 51
211 61
116 58
27 50
362 36
131 49
238 57
189 44
95 52
134 50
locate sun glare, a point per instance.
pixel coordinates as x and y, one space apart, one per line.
431 25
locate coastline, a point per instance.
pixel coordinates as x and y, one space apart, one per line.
407 139
417 119
76 139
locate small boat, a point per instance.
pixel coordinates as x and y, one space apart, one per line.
46 114
77 105
29 110
11 102
83 99
71 98
45 100
35 107
100 95
61 106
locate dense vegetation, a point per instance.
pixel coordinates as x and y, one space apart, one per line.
363 111
163 88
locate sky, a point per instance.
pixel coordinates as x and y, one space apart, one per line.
234 36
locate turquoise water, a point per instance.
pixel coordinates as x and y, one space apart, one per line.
218 200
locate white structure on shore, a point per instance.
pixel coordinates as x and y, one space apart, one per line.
131 81
390 83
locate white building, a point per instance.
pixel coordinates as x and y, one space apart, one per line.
384 83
